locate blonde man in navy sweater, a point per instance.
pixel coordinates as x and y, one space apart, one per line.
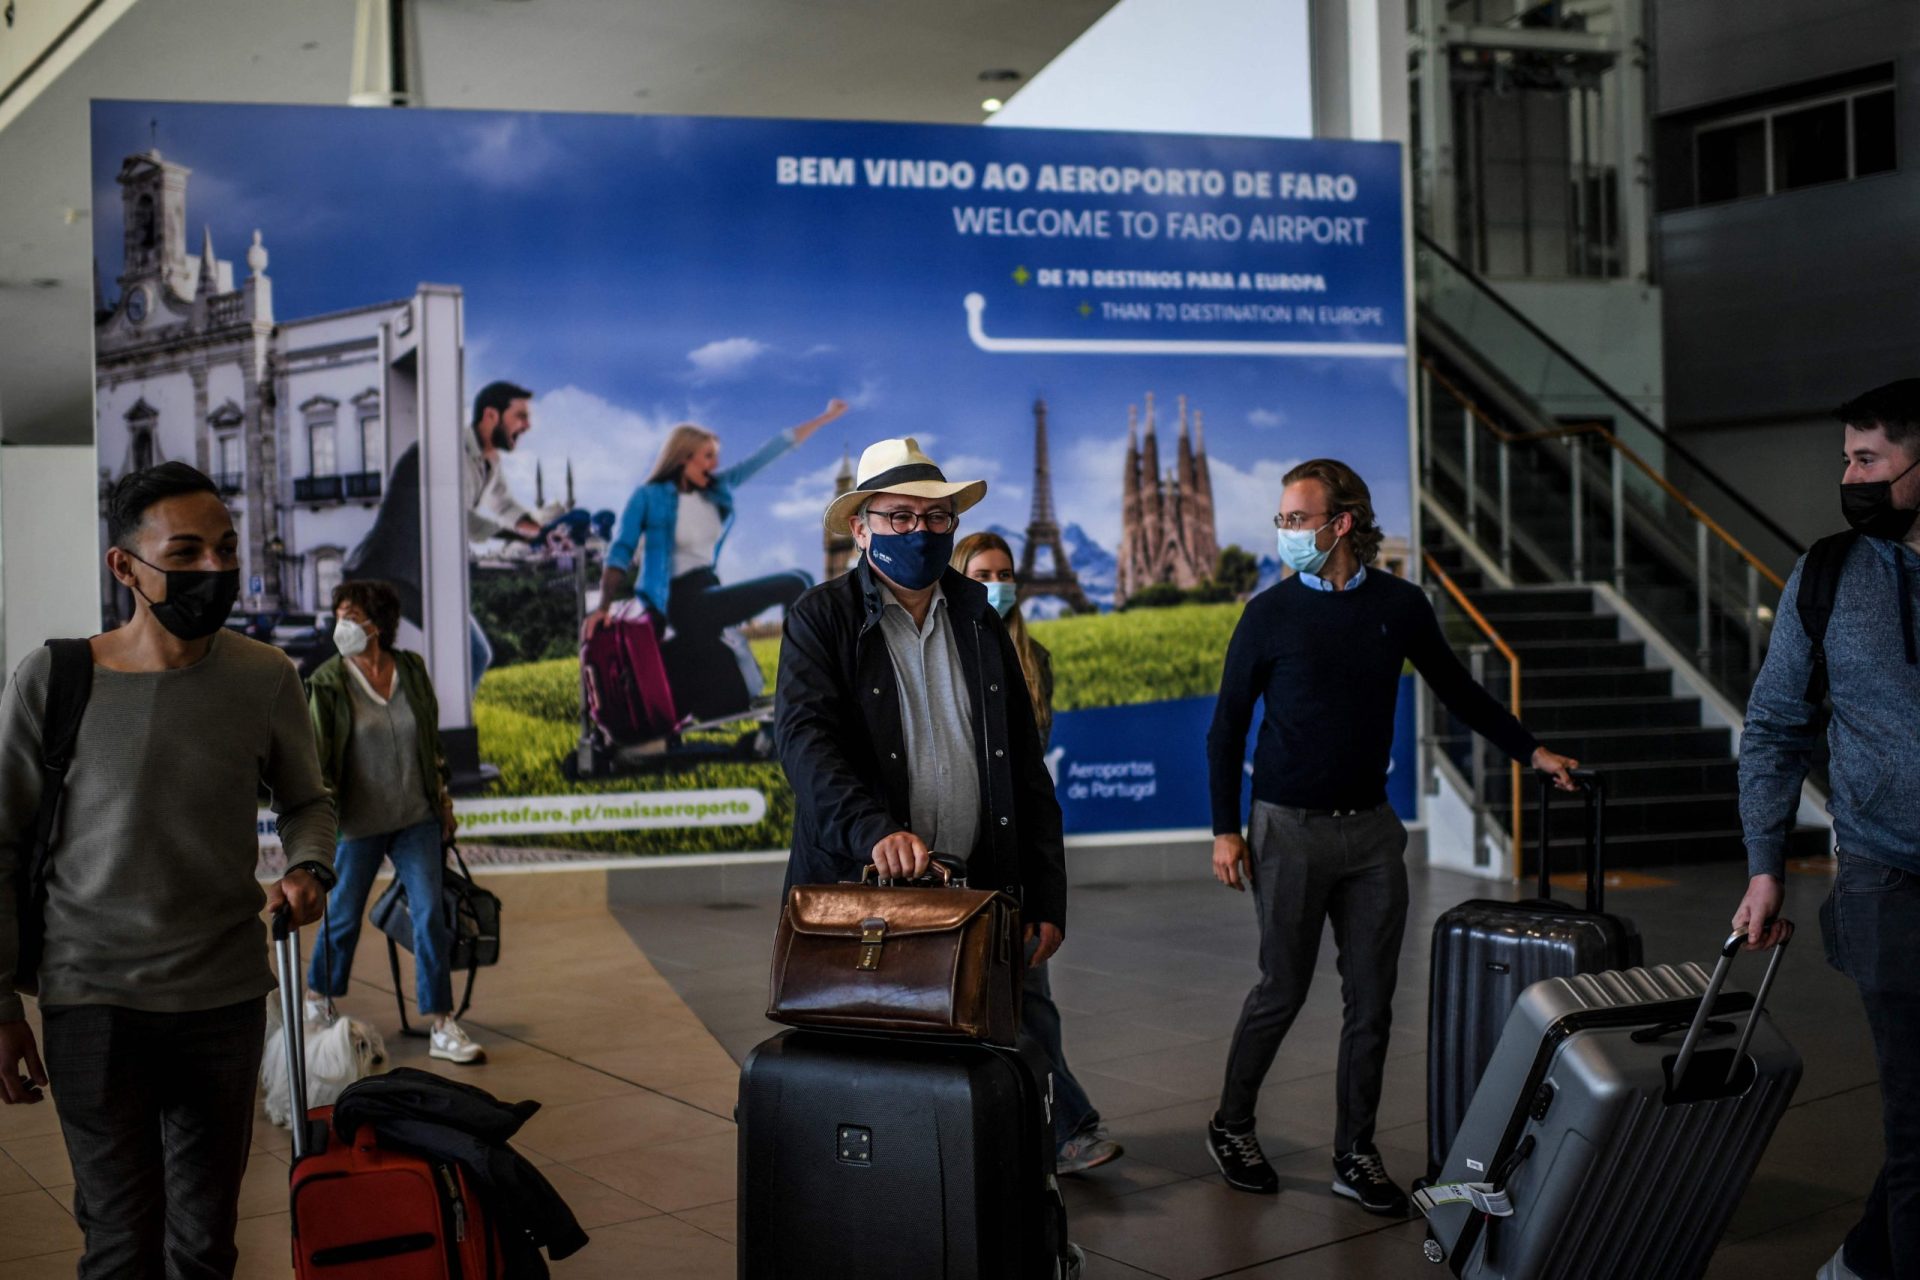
1325 648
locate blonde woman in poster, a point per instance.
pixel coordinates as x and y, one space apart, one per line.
1081 1138
676 522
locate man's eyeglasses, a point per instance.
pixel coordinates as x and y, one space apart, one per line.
1301 520
904 521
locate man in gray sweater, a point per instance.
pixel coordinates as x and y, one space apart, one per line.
1871 919
154 956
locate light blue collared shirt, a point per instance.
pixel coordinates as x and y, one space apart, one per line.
1317 583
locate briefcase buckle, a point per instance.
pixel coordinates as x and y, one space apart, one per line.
873 936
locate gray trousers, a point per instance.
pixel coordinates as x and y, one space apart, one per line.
157 1109
1309 867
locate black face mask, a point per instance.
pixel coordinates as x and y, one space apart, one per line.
1869 508
197 601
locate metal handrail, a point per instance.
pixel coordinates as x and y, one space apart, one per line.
1513 677
1605 433
1679 450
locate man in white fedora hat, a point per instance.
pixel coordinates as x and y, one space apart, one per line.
901 715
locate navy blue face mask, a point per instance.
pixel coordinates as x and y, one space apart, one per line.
911 560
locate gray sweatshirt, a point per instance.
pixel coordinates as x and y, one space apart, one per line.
151 897
1875 731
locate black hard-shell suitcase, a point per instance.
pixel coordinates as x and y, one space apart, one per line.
1616 1129
1486 952
871 1158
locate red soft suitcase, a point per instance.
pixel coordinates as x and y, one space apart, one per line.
623 680
366 1212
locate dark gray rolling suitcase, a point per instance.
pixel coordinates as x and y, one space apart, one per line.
1616 1128
871 1158
1486 952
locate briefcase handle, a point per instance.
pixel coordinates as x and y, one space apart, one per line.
939 870
1728 950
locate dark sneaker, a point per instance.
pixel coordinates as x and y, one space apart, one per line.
1362 1176
1241 1161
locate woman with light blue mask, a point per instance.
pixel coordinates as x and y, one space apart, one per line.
1081 1139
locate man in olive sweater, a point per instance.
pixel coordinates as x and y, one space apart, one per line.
154 957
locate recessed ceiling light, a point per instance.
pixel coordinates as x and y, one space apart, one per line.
1000 75
992 105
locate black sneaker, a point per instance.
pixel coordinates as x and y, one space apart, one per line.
1240 1159
1361 1175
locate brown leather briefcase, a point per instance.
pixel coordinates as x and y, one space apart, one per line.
938 960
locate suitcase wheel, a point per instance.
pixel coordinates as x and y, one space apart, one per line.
1432 1248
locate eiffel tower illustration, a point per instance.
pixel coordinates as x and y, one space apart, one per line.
1044 531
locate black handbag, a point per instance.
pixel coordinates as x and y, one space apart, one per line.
473 918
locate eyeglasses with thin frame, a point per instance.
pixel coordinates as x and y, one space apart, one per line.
903 521
1297 520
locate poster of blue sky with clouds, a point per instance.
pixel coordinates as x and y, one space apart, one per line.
638 272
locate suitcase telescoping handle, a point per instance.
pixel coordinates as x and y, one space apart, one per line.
1594 792
286 953
1728 951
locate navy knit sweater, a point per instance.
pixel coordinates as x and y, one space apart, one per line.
1328 664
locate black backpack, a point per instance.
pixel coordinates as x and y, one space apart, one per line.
69 685
1819 586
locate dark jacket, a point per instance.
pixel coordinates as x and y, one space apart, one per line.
837 724
331 703
448 1120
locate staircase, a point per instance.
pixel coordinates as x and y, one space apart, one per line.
1559 481
1672 790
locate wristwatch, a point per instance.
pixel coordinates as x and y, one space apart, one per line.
319 871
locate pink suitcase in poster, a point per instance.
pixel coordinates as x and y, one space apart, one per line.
624 682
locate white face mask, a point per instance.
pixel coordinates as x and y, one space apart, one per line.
349 637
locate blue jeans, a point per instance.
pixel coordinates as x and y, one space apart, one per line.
1871 920
480 649
1040 1020
417 859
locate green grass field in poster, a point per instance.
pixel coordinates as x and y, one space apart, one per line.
528 719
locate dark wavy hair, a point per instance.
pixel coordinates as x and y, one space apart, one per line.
133 493
378 601
1347 494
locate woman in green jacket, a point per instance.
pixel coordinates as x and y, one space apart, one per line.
377 722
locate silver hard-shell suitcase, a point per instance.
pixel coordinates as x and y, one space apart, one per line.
1615 1129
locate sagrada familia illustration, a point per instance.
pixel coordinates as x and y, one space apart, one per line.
1166 521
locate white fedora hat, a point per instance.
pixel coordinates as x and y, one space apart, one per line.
898 466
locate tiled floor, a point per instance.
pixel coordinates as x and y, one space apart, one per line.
1150 983
636 1129
622 1022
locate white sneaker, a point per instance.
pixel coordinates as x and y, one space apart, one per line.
1836 1267
319 1008
451 1043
